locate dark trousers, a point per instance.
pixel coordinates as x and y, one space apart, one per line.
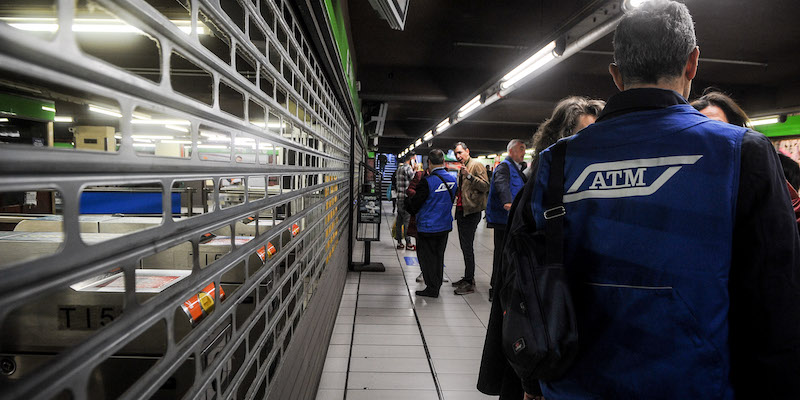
467 224
430 250
499 234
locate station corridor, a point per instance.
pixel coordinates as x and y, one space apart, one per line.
389 344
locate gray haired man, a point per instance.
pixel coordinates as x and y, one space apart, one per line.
680 241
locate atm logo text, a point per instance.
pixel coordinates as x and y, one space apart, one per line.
629 178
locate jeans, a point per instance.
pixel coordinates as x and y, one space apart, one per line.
403 217
467 225
430 250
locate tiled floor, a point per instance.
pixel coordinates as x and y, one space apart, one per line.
388 344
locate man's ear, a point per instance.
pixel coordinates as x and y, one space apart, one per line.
691 64
613 69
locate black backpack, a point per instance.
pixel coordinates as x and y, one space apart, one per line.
539 331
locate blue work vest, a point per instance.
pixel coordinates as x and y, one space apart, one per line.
650 200
495 213
436 213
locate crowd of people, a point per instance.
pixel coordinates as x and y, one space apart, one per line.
681 242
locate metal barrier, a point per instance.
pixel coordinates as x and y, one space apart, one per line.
231 103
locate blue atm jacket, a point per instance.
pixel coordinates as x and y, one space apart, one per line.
495 213
435 214
648 244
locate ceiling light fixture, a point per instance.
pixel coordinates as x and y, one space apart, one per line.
106 111
428 136
93 25
418 143
160 122
177 128
3 119
152 137
48 108
771 119
470 106
443 125
533 63
492 156
62 118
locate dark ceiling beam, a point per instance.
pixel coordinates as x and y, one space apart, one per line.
386 97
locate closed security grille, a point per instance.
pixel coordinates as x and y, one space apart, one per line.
173 182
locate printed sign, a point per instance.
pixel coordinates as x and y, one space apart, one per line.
369 208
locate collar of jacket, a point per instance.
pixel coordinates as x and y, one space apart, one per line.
642 99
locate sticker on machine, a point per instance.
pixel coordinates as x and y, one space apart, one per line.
629 178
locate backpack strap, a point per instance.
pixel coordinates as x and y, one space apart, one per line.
452 197
554 206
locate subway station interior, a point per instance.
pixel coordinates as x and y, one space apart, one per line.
196 196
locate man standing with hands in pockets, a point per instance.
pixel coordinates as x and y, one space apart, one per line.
473 188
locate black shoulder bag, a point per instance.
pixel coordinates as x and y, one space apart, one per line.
539 331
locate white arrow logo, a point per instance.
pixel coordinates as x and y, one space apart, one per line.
625 178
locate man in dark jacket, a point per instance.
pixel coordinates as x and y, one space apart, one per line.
508 179
680 242
433 206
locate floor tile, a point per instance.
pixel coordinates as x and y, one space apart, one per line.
388 351
387 339
392 395
390 365
457 381
461 395
335 364
333 380
390 380
388 329
330 394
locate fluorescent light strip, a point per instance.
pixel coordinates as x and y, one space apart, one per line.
3 119
177 141
106 111
160 122
62 118
211 146
94 25
533 63
418 143
177 128
144 145
152 137
442 125
492 156
471 105
773 119
427 136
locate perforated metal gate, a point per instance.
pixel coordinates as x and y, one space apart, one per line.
218 116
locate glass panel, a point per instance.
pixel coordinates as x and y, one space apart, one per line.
113 211
101 34
214 145
34 226
196 197
160 134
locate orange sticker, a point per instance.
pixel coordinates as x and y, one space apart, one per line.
199 305
295 229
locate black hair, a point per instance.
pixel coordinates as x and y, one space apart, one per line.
436 156
732 111
791 170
